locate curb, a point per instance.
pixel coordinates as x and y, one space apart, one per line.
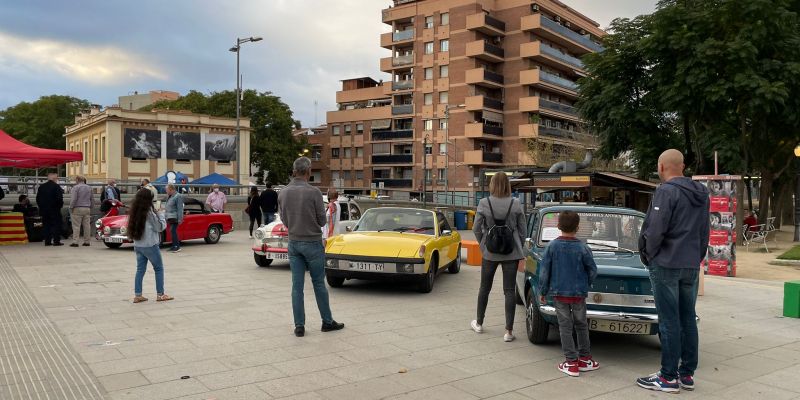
787 263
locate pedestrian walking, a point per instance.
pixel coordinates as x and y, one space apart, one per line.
566 272
110 192
50 201
303 213
80 211
144 228
332 215
216 200
174 215
673 243
269 204
254 209
499 227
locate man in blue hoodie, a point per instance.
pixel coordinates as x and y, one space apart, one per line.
673 243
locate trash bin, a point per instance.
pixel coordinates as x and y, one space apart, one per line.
470 219
460 219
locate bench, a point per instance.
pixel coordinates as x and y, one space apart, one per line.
755 234
791 299
473 251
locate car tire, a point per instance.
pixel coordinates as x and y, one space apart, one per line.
426 286
113 245
262 261
334 281
535 325
517 296
213 234
455 266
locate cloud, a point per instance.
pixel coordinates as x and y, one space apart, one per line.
91 64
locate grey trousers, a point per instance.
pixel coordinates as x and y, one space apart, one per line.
488 268
572 317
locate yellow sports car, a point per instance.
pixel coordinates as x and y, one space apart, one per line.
394 243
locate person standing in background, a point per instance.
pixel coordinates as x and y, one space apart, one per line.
269 204
332 215
254 209
216 200
50 200
80 208
174 215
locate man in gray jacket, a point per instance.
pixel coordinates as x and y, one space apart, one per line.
174 215
80 209
303 214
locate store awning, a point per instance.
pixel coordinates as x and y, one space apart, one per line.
14 153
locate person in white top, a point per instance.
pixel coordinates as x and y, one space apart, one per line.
332 215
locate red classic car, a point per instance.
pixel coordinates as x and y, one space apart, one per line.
198 223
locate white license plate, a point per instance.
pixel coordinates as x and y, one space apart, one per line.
366 266
113 240
278 256
630 328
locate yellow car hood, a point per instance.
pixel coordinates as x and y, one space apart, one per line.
378 244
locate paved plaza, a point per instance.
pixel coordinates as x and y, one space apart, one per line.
69 331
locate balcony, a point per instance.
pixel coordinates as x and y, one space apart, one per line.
483 131
393 183
478 103
555 32
390 63
484 77
539 105
550 56
537 77
563 134
529 131
403 85
486 24
392 158
390 39
480 157
393 135
403 109
485 51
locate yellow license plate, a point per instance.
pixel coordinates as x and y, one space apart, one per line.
629 328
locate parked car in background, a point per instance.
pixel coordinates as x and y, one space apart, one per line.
198 223
620 299
394 243
271 241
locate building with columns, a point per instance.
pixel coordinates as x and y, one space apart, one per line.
131 145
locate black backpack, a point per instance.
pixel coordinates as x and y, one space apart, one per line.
500 238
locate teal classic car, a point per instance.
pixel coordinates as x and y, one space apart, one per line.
620 299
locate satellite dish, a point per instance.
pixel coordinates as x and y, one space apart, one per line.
171 176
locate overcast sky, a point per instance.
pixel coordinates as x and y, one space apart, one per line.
100 49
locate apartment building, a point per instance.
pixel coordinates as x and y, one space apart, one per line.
472 84
317 148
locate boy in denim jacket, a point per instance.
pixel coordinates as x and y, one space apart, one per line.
566 272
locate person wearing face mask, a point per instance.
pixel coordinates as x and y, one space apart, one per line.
216 200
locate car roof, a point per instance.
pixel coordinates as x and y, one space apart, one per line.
590 208
401 209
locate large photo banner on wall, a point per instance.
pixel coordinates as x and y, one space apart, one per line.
142 143
183 145
220 147
721 257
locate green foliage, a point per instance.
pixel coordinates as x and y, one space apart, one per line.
272 147
42 122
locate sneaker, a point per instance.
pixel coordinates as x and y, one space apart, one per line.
87 244
586 364
475 326
570 368
687 382
250 237
332 326
176 250
659 383
508 337
73 245
58 244
299 331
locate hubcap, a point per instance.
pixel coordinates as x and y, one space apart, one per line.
214 234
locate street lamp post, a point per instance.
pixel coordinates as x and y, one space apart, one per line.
424 172
797 199
236 49
447 109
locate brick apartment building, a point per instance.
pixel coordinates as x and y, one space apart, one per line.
499 73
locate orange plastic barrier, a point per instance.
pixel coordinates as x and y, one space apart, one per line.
12 229
473 251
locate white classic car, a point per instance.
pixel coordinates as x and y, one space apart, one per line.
271 241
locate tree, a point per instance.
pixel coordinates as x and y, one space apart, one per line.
272 146
42 122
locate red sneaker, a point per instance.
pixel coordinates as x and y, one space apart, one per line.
570 368
587 364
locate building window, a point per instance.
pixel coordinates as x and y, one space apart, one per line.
315 177
444 71
428 99
359 129
359 152
347 129
428 148
381 148
443 124
359 175
442 148
335 129
444 45
428 123
429 22
348 153
445 18
443 96
103 149
428 73
85 152
428 175
96 151
334 153
316 153
429 48
442 174
347 175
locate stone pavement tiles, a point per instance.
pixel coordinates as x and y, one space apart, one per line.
228 335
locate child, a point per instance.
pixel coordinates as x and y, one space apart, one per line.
144 228
566 272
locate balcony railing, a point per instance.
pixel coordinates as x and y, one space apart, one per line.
574 61
492 103
492 157
403 35
392 159
562 108
495 23
403 85
565 134
493 130
494 50
557 80
402 60
394 183
403 109
492 76
391 135
570 34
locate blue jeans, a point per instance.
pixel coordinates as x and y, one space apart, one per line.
173 231
268 217
675 291
308 256
143 255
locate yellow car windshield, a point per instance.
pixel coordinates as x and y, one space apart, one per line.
397 220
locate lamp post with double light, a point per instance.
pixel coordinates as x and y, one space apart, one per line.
236 49
447 109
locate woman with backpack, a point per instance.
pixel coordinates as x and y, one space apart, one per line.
500 229
144 228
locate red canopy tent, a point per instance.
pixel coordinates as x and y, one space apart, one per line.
14 153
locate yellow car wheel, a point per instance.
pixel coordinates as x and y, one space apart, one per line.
426 286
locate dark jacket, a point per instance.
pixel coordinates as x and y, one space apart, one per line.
254 203
50 197
269 201
567 269
675 231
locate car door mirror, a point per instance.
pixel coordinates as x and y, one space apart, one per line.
447 233
348 228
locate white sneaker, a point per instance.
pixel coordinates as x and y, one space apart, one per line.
475 327
251 236
508 337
